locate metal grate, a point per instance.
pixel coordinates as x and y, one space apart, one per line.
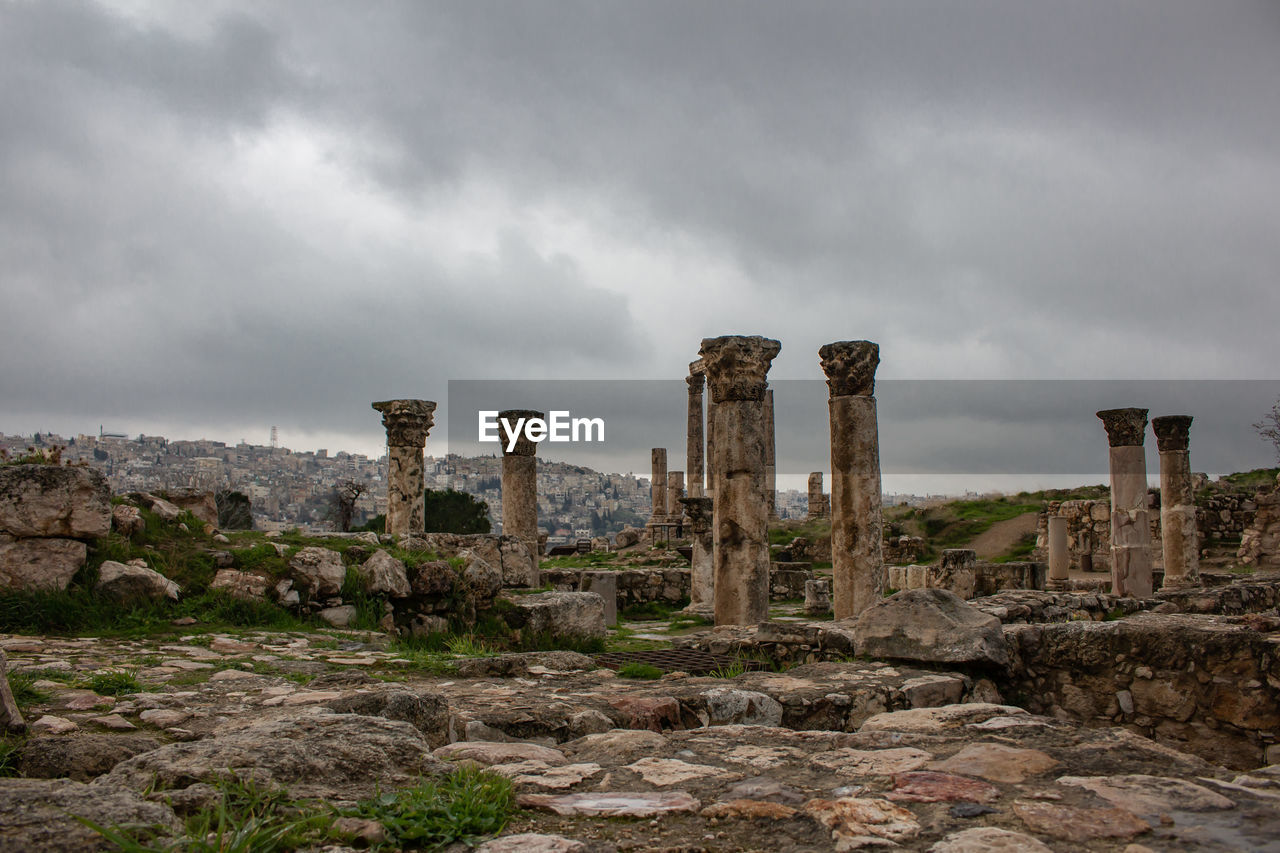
692 661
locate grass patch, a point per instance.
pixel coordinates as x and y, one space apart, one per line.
593 560
638 670
115 683
1021 550
468 646
247 819
25 692
466 805
732 670
685 621
650 611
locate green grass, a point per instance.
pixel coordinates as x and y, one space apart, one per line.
1245 480
732 670
465 806
9 747
593 560
1021 550
811 529
651 611
116 683
638 670
246 819
685 621
468 646
24 690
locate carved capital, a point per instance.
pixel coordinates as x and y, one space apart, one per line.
698 510
737 366
1125 427
850 367
1173 432
696 380
407 421
524 447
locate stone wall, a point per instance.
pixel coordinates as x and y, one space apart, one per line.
902 550
1260 543
985 578
1223 517
47 515
1207 685
670 586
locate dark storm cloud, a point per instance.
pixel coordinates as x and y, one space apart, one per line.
278 212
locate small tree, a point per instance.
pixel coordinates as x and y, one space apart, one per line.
1269 427
344 498
448 511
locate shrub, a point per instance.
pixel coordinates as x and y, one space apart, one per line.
467 804
638 670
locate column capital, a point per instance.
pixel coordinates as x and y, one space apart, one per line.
696 379
737 366
523 447
407 421
850 367
1173 432
1125 427
698 510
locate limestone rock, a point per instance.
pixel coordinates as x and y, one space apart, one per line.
933 720
726 705
989 839
489 753
78 756
47 564
126 519
996 762
1079 825
39 815
1151 796
383 574
932 625
426 711
482 577
616 804
560 614
856 822
244 585
620 745
127 584
53 500
319 572
316 754
532 842
339 617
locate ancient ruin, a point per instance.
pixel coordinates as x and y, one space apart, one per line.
520 489
1059 553
859 575
407 423
658 485
695 440
770 459
1131 562
701 567
819 506
737 368
1179 538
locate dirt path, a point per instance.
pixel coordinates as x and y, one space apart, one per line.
1003 535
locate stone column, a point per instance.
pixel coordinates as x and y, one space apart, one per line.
817 500
675 491
710 489
407 423
856 525
694 437
1059 553
1177 509
658 484
701 571
1130 528
770 459
737 369
520 487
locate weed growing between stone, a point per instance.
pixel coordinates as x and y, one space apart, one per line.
641 671
466 805
116 683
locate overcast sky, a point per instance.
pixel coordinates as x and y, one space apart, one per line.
220 216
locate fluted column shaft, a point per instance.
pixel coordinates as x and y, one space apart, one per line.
658 484
695 441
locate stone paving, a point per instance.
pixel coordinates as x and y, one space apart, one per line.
837 755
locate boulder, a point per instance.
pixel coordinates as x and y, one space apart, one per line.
39 815
383 574
930 625
47 564
127 584
519 566
483 578
627 537
316 754
318 572
54 500
558 614
339 617
425 710
79 756
201 504
161 507
244 585
126 519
